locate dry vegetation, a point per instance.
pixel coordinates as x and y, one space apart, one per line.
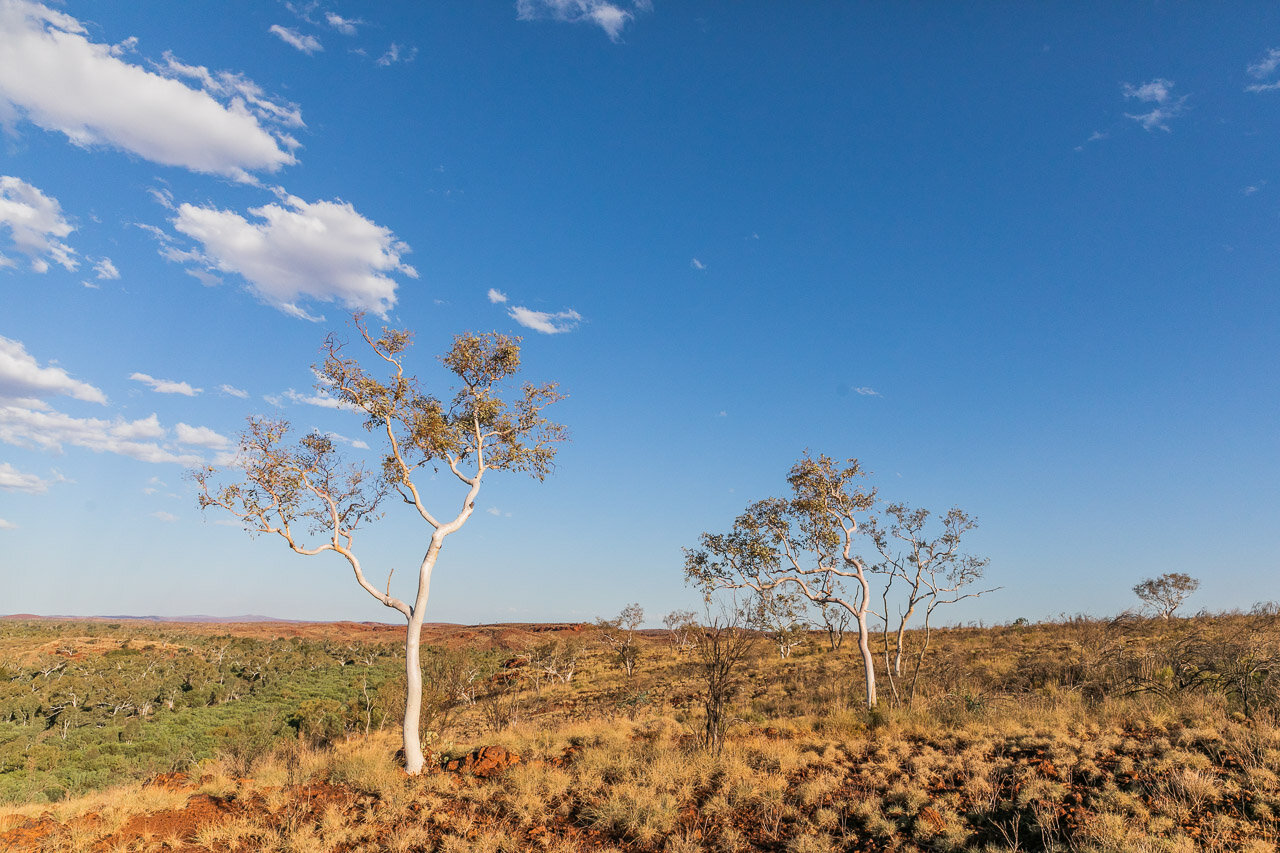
1079 735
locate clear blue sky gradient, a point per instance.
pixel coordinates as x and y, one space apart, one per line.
1019 258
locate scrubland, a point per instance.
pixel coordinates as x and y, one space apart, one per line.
1072 735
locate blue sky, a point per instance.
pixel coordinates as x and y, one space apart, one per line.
1016 258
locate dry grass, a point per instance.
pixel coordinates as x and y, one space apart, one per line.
996 755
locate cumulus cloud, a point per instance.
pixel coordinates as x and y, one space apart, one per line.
321 250
497 296
7 525
24 382
346 26
232 391
13 480
60 81
293 38
545 322
1159 93
608 16
35 224
25 427
166 386
200 436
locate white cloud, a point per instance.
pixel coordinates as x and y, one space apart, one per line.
164 516
867 392
13 480
608 16
397 53
323 250
205 277
1266 65
35 223
200 436
346 26
545 322
241 93
26 427
293 38
697 264
7 525
358 444
1159 92
166 386
497 296
232 391
24 381
318 399
106 270
51 73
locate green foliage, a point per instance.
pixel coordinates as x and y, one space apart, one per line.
69 724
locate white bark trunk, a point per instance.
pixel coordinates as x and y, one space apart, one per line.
868 660
414 760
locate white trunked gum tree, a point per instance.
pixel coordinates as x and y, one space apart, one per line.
306 489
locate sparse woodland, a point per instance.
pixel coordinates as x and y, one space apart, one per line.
753 727
1130 734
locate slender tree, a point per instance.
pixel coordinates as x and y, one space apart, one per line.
620 635
305 489
802 544
928 566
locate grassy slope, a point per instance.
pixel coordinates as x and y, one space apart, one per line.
1081 735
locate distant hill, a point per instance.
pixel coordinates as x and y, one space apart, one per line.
110 618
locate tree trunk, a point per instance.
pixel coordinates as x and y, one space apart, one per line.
414 760
868 660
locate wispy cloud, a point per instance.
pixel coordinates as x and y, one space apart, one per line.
34 222
1262 69
106 270
497 296
346 26
305 43
24 382
51 74
866 391
1096 136
697 264
166 517
319 399
611 17
13 480
165 386
1158 92
546 322
397 53
7 525
232 391
357 443
322 250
